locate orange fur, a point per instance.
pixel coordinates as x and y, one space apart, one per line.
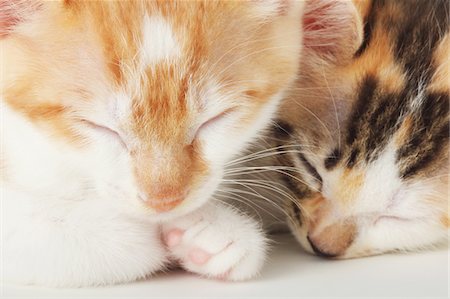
440 81
73 55
363 7
324 119
378 60
445 221
404 131
351 182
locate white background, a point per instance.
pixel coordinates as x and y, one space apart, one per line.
289 273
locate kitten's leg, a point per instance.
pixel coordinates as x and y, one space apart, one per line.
75 243
217 241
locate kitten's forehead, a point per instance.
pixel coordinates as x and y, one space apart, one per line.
402 93
166 56
390 94
159 41
153 61
158 58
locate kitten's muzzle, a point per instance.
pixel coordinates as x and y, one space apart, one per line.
164 177
163 201
327 235
334 240
319 251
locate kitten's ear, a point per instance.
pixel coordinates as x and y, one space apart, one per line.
333 29
14 12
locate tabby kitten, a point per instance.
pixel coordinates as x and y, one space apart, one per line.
368 136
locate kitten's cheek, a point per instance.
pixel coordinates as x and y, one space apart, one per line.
215 125
204 190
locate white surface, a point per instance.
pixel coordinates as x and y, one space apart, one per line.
289 273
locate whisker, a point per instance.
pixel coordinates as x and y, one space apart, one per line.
317 118
232 198
260 196
270 187
282 170
249 55
244 200
259 154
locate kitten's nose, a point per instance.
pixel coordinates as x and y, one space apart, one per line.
333 240
163 200
163 177
319 251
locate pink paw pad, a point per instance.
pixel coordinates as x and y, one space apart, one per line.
199 256
173 237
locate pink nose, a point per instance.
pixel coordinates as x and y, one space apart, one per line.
163 201
333 240
164 205
319 251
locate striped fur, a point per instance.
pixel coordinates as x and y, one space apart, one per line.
373 136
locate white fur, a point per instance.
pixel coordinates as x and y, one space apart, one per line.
68 216
235 241
159 42
71 217
384 195
223 149
220 143
71 214
383 172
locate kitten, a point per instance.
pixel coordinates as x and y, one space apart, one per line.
366 138
119 115
332 31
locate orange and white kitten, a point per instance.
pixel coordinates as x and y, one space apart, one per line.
120 115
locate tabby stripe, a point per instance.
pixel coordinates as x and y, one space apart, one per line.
366 94
332 160
431 155
351 161
288 178
368 29
418 38
383 123
282 130
431 132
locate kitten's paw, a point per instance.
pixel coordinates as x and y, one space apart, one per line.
218 242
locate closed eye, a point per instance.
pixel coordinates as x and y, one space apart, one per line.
310 168
214 120
106 131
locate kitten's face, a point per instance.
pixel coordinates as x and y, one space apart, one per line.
373 145
180 87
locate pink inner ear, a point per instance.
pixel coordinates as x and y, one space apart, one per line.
12 12
328 25
318 25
